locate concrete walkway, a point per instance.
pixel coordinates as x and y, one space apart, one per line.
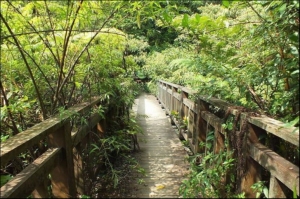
161 153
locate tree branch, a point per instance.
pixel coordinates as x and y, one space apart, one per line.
65 48
252 8
27 66
36 32
14 126
61 30
39 68
52 27
81 53
256 98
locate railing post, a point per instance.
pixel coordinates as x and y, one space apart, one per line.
165 95
192 129
169 100
78 167
190 118
184 95
219 141
158 91
253 168
201 124
41 191
197 118
276 188
62 176
161 92
182 113
251 177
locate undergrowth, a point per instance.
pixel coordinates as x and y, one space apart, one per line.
210 175
115 153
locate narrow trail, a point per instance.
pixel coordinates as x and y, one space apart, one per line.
161 153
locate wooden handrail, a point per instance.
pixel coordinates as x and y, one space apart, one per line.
57 160
26 181
175 98
26 139
290 134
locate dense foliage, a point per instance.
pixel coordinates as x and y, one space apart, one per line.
246 53
55 54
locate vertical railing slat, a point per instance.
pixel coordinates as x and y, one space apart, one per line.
253 168
62 176
202 124
276 188
78 167
199 128
41 191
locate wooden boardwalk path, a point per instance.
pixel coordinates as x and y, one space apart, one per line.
161 153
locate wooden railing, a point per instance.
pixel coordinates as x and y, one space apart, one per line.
61 159
201 114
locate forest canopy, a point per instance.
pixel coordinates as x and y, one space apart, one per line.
56 54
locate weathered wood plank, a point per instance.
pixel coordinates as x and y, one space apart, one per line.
189 103
276 188
212 100
26 139
270 125
277 128
41 190
62 175
177 95
216 102
78 168
213 120
188 90
162 156
78 136
169 90
24 183
279 167
174 85
252 176
191 123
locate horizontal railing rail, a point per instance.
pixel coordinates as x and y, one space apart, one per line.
60 159
202 111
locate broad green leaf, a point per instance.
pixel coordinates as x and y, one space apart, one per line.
4 179
136 5
294 191
185 21
78 85
243 101
282 9
257 194
295 72
197 17
138 19
225 3
4 138
293 122
266 192
167 17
